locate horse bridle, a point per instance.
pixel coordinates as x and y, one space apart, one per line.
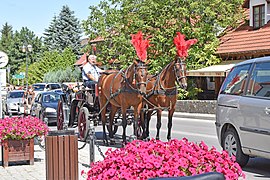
143 67
176 70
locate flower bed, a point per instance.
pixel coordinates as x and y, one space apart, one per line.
22 128
143 160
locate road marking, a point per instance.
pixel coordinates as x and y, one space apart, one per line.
188 119
186 133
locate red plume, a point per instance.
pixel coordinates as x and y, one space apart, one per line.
182 45
140 45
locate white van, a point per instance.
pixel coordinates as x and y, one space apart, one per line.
243 110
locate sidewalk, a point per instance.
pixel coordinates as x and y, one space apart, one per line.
19 171
38 170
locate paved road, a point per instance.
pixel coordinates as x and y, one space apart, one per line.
195 128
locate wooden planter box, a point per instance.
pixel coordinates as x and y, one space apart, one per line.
17 150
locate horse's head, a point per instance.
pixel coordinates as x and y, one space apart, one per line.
140 75
180 72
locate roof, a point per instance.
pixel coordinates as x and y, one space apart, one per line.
219 70
245 40
246 4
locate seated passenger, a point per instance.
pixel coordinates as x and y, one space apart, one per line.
91 72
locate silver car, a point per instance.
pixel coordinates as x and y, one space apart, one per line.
14 102
243 110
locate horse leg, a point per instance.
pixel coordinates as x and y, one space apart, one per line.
135 123
124 124
142 123
158 126
148 118
170 115
102 102
112 114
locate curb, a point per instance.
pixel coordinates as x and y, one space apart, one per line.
192 115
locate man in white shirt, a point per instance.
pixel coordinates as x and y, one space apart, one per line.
91 72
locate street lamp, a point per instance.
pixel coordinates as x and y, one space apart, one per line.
27 49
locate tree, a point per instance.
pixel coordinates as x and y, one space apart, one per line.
64 31
12 44
50 62
6 37
115 20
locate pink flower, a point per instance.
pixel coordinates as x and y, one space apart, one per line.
144 160
22 128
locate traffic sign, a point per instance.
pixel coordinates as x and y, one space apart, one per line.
18 76
3 59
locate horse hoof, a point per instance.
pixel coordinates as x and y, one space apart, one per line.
124 144
112 142
132 138
157 138
147 138
105 143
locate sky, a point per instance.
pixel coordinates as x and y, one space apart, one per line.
37 15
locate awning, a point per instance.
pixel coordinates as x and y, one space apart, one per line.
81 61
219 70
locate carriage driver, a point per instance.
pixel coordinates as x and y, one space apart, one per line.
91 72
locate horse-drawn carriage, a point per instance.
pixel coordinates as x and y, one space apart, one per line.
81 109
132 87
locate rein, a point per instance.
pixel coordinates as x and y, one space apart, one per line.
159 88
123 89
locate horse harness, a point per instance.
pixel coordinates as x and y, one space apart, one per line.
127 86
166 91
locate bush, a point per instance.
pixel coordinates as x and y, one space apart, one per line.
143 160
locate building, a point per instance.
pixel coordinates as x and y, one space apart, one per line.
249 40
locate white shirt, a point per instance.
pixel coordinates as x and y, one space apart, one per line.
91 69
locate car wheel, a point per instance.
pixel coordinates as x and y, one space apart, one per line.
232 145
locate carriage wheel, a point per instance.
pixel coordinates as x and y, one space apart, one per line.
83 123
60 116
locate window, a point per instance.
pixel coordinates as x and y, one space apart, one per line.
258 16
259 84
15 94
235 82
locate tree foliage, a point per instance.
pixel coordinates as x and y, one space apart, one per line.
63 32
60 76
50 61
115 20
12 43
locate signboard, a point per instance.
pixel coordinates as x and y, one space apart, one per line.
2 85
18 76
3 76
3 59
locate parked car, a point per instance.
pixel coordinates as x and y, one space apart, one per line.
243 110
40 87
45 105
14 102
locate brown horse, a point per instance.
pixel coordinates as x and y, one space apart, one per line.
122 90
162 93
